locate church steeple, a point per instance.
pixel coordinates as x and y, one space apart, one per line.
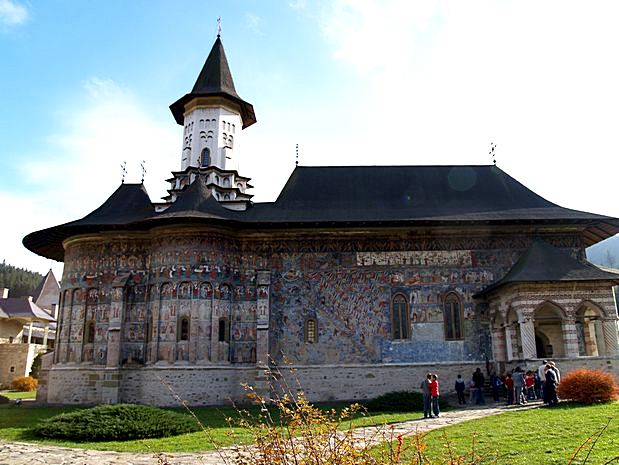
211 114
215 80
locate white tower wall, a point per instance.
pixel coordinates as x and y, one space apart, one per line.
217 128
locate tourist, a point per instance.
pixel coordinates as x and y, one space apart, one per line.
495 382
550 387
460 387
472 391
479 380
538 385
541 372
434 393
509 387
554 368
519 383
529 382
427 396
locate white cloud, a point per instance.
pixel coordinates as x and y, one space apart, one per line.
80 166
442 80
12 13
254 23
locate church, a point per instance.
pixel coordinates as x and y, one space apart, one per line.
354 282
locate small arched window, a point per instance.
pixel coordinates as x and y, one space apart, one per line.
230 141
311 333
452 315
183 329
224 330
90 332
400 319
226 196
205 157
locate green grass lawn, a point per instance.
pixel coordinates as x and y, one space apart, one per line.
15 422
544 436
32 395
531 437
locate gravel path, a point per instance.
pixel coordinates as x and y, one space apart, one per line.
18 453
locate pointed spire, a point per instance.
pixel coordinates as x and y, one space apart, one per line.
215 80
215 76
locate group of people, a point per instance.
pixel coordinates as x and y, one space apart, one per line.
517 386
476 388
520 386
429 389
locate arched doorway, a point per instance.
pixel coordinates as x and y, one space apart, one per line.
542 346
548 320
589 330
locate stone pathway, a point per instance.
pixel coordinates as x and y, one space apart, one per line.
19 453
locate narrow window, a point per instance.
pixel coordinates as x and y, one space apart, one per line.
183 329
399 317
452 315
310 331
224 330
205 157
90 332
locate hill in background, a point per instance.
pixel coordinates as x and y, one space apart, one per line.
605 253
19 281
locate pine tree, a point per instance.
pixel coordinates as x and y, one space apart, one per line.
19 281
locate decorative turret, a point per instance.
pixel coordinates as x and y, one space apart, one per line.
213 116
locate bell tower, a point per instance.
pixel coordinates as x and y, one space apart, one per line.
212 116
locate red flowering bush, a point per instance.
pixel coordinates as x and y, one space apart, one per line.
588 386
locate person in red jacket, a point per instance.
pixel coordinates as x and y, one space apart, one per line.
509 387
434 393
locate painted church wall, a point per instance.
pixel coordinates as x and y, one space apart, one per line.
153 284
350 294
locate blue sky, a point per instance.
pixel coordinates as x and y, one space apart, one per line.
87 85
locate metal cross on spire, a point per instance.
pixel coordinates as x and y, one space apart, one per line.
492 152
143 166
218 26
123 167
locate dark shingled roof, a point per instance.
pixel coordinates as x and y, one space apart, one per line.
542 262
419 193
196 201
128 204
215 80
346 196
24 308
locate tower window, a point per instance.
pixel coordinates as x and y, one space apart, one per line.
230 141
205 157
400 320
452 315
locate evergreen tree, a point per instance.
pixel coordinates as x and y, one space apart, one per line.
19 281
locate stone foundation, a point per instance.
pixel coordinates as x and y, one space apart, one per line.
219 385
